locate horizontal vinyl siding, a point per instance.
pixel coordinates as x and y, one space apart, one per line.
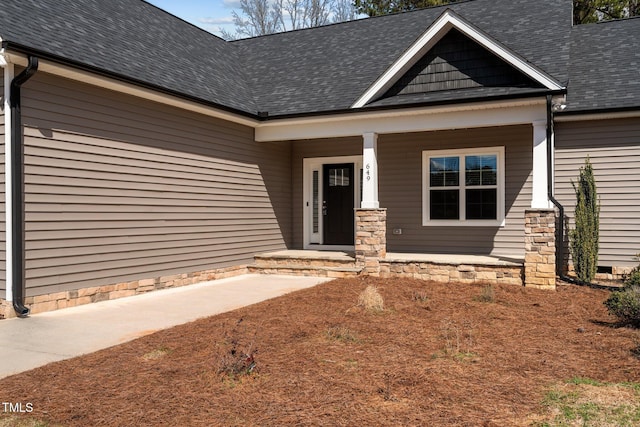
613 147
400 180
310 149
121 189
3 254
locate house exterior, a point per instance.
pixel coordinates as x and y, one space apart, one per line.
140 152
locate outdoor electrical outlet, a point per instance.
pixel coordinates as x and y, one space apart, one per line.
397 231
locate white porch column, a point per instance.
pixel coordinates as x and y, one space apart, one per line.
539 195
370 171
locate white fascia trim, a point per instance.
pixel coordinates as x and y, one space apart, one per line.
472 115
130 89
596 116
429 38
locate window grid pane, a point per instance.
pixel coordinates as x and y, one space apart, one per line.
339 177
445 204
481 170
481 204
444 171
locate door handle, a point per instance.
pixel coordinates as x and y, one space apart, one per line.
324 208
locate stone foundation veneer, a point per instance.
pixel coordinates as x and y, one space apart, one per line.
540 248
371 239
510 274
58 300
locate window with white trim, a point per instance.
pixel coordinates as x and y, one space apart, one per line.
463 187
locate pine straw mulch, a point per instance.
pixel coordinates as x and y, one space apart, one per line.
437 355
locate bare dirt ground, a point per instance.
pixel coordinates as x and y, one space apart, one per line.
438 355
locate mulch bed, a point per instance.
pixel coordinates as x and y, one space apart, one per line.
437 355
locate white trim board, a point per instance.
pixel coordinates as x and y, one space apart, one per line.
448 20
560 118
473 115
312 240
500 221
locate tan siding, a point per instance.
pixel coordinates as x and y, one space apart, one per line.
310 149
2 199
400 177
121 189
614 149
400 174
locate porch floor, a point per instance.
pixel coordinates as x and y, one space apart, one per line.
454 259
347 256
438 267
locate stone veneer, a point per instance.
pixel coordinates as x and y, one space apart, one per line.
509 273
371 239
540 248
370 259
58 300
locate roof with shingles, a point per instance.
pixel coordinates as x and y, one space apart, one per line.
322 69
328 68
132 39
605 66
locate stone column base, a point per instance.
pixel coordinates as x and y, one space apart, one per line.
371 239
540 248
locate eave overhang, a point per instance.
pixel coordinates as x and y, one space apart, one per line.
75 70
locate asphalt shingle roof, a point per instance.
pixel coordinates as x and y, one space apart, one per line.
322 69
132 39
328 68
605 66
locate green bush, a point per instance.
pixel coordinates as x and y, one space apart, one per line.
585 236
625 305
633 278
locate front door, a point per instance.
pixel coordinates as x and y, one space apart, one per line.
338 204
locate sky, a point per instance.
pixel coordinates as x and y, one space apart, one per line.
210 15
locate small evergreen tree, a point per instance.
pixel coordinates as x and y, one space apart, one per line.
584 238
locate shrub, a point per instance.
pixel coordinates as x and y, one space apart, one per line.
371 299
625 305
584 237
420 296
342 333
237 357
487 295
633 278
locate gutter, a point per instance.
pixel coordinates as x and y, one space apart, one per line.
558 205
17 188
260 117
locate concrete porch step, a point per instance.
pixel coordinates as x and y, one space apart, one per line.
306 259
306 263
299 270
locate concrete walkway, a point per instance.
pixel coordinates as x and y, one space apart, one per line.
48 337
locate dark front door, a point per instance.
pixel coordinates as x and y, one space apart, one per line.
338 204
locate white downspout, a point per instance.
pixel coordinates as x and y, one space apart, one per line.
8 78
